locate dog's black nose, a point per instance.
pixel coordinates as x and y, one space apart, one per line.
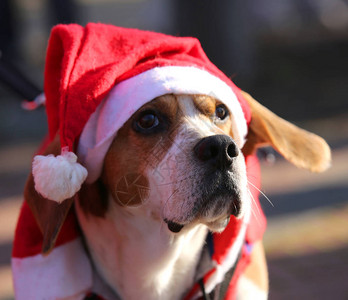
218 150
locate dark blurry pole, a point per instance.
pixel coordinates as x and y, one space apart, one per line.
224 28
6 29
17 81
63 11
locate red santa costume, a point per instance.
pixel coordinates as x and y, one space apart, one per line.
96 77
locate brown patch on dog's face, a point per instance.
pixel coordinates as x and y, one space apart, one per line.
135 148
132 189
129 155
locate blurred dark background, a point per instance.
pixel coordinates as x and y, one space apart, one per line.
291 55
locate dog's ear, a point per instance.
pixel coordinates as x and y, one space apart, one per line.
49 214
300 147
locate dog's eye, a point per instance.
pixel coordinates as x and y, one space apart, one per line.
148 121
221 112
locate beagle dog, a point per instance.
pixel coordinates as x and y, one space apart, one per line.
173 173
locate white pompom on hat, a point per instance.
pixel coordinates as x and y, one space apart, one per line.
62 170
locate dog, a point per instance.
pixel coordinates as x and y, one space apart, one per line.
192 199
168 213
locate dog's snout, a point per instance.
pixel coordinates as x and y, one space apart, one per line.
218 150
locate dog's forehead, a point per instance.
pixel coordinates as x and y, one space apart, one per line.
193 111
185 104
199 113
196 104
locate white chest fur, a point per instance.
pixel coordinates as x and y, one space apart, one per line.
138 257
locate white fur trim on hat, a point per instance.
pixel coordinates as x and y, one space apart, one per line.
64 274
58 178
129 95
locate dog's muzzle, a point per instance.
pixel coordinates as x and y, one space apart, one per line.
218 155
219 192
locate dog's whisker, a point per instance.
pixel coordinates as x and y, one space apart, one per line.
256 217
254 201
262 193
182 207
176 181
162 227
167 200
258 214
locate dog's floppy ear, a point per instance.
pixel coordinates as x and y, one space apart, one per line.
300 147
49 214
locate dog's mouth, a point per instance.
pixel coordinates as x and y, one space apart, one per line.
214 210
216 225
223 194
212 202
173 226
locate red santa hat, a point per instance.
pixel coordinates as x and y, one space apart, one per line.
97 76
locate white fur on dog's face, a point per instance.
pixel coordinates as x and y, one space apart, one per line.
165 173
